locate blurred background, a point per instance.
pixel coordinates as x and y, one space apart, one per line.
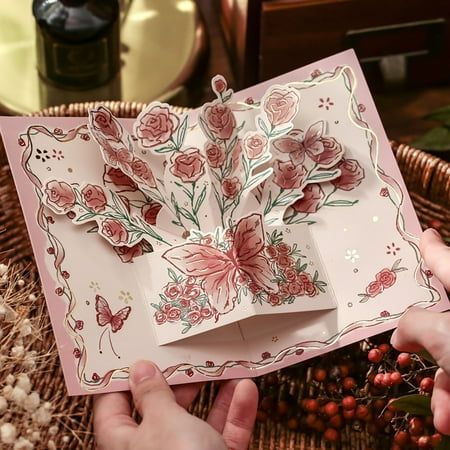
169 50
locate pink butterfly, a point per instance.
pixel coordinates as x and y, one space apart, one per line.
325 151
220 272
105 316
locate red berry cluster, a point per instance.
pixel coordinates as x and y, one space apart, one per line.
353 387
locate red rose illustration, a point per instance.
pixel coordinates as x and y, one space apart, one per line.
254 288
206 312
102 120
142 170
220 120
374 288
79 324
311 200
272 251
127 254
95 377
60 195
283 248
150 212
384 192
255 145
117 157
310 289
331 154
386 277
114 231
284 261
191 291
207 240
281 106
189 166
160 317
296 288
194 317
174 314
274 299
231 187
304 278
156 126
173 290
185 302
351 175
290 274
265 355
215 155
287 175
77 353
118 178
94 197
219 84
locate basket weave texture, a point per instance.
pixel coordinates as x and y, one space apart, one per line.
428 180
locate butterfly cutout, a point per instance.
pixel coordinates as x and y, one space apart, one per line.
105 316
221 271
325 151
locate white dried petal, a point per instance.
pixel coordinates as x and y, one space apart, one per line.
3 404
17 351
29 361
51 445
65 439
8 433
53 430
10 379
23 381
42 416
25 328
47 405
21 283
32 402
35 436
18 396
7 390
32 298
23 444
3 269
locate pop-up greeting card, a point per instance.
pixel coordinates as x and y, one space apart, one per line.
267 227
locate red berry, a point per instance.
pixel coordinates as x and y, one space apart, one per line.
348 414
375 355
396 378
384 348
344 370
311 405
427 384
331 409
331 435
348 383
386 380
332 388
361 412
404 360
336 421
378 380
349 402
424 442
320 375
401 438
379 404
388 416
311 420
415 426
436 439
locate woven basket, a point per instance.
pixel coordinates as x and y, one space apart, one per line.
428 180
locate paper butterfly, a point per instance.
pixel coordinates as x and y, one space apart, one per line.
221 271
105 316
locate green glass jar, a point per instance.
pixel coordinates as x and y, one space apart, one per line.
77 42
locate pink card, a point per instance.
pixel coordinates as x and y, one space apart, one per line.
265 228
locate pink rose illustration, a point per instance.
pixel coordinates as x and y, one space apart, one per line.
215 155
173 290
189 166
94 197
156 126
287 175
174 314
231 187
290 274
102 120
272 251
219 84
127 254
142 170
206 312
274 299
310 289
191 291
194 317
313 195
185 303
114 231
283 248
255 145
284 261
281 106
296 288
150 211
220 120
332 152
304 278
118 178
374 288
386 277
160 317
79 324
351 175
60 195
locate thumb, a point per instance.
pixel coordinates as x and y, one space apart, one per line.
151 393
436 255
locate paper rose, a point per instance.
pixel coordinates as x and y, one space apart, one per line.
313 195
114 231
94 197
60 195
351 175
102 120
255 145
189 166
281 106
220 120
287 175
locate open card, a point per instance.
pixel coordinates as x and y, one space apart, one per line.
265 228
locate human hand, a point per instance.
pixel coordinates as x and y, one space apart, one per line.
421 329
165 422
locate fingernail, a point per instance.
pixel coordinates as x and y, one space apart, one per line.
141 371
394 338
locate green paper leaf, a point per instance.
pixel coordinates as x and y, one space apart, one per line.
341 203
200 200
416 404
437 139
323 176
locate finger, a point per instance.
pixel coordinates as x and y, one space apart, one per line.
419 329
185 394
436 255
440 402
219 411
151 394
112 420
241 416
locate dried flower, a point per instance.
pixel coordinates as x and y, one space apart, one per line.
53 430
21 283
23 444
3 405
3 269
32 402
18 396
17 351
8 433
10 379
25 328
23 382
42 416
